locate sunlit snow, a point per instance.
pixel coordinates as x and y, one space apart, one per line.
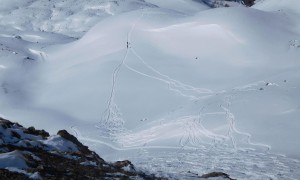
178 85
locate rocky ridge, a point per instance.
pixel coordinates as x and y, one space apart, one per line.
228 3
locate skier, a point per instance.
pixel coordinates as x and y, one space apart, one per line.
128 44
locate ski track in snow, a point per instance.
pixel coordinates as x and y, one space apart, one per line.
194 128
195 134
112 120
172 82
233 129
198 146
173 85
112 123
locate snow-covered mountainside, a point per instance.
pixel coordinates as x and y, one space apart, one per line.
146 80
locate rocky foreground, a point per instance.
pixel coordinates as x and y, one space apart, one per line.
27 153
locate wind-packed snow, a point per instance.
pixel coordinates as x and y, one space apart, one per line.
167 78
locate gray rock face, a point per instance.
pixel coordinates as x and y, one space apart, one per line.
228 3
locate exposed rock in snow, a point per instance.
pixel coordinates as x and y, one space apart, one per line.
216 175
228 3
56 157
29 153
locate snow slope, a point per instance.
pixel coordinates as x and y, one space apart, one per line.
187 64
224 81
290 6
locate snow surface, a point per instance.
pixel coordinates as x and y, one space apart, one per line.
156 77
89 163
58 143
12 159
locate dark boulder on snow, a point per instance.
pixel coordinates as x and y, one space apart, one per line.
73 139
216 175
33 131
124 165
228 3
249 2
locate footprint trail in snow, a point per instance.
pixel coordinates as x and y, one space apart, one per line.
193 131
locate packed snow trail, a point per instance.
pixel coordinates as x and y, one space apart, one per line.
233 130
175 83
194 128
112 120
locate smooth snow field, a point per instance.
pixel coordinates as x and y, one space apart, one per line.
174 86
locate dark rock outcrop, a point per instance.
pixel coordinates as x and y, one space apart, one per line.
73 139
8 175
215 175
33 131
46 161
249 2
228 3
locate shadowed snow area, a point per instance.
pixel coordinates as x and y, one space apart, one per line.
190 88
